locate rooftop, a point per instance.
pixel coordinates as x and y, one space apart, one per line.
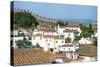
31 56
47 30
73 25
59 37
48 36
67 30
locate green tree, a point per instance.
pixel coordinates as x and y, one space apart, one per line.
26 43
90 26
19 44
90 29
23 43
33 26
94 41
61 23
29 38
87 31
77 38
67 40
76 33
66 23
37 45
33 46
51 49
24 20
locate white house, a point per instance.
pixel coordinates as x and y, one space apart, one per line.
15 32
60 29
59 41
16 37
85 41
73 27
71 50
48 41
70 34
52 37
55 38
20 31
23 31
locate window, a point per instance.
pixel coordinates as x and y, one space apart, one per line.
46 40
48 44
64 48
62 41
69 49
69 34
56 41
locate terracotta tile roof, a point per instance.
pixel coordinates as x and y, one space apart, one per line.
67 45
47 30
39 34
73 26
59 37
24 56
51 36
59 55
48 36
75 42
70 44
67 30
62 26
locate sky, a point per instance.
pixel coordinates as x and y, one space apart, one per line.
56 11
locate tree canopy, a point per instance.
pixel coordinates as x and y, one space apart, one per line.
37 45
61 23
24 20
87 31
23 43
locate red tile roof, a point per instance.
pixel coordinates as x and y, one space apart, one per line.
73 26
39 34
59 37
67 30
56 36
48 36
47 30
24 56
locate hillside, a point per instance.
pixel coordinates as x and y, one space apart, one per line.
23 20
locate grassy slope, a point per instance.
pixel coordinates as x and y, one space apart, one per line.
88 50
